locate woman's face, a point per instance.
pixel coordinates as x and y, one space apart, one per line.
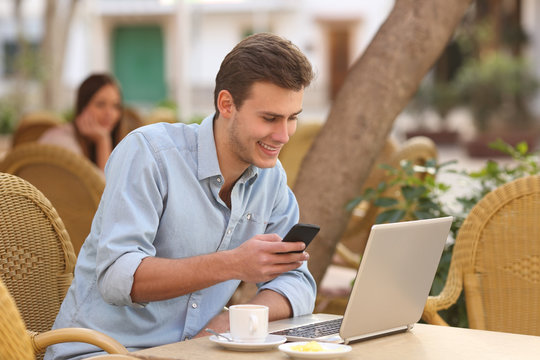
105 106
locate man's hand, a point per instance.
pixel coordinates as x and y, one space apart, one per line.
263 257
259 259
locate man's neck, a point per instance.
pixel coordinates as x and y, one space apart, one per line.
228 165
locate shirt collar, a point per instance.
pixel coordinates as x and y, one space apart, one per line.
207 154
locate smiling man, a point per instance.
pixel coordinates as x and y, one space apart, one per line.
189 211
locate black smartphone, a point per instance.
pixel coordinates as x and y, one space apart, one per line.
302 232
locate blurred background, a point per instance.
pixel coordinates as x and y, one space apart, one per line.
165 54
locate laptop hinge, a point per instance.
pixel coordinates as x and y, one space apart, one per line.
377 334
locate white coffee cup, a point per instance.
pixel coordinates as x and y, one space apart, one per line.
248 323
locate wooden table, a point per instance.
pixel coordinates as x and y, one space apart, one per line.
428 342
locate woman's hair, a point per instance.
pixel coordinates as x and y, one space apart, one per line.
88 88
262 57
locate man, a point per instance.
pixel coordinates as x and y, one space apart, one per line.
189 211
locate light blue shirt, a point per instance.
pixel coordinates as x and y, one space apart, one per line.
162 199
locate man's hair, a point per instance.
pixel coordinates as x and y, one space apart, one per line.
262 57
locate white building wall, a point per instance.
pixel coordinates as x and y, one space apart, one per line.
531 25
213 30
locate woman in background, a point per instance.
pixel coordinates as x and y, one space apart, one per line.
96 129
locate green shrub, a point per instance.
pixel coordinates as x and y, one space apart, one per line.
418 195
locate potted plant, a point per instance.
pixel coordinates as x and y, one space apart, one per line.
442 98
497 88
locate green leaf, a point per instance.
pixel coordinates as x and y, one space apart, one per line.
385 202
369 193
423 215
353 203
427 205
522 148
411 193
390 216
501 146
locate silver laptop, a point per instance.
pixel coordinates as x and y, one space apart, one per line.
391 286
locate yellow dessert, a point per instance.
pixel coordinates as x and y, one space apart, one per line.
311 346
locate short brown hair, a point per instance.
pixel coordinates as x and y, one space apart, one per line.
262 57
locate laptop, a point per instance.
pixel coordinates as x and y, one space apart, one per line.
390 289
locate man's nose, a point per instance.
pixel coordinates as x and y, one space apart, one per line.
281 132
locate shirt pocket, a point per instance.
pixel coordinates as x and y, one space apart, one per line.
250 224
253 217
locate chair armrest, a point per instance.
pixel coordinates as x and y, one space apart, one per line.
350 258
42 340
448 296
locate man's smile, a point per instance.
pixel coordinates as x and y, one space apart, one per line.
268 147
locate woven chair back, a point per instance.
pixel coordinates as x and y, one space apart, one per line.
130 121
417 150
498 248
292 153
14 341
70 181
36 255
32 126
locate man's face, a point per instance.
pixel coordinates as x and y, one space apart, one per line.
263 124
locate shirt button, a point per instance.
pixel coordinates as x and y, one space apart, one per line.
194 305
229 232
248 216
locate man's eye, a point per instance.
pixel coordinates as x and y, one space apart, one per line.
269 119
293 118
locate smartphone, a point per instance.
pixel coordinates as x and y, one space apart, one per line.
302 232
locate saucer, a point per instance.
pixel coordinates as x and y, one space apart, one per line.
331 351
271 342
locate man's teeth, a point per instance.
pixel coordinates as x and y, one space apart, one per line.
267 147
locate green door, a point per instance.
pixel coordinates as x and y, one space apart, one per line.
139 63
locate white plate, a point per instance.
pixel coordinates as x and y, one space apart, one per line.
332 351
271 341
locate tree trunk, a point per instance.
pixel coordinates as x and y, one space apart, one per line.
17 97
377 88
57 20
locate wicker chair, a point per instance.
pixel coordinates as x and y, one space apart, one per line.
36 255
33 125
161 114
71 182
353 242
292 153
496 260
130 121
18 343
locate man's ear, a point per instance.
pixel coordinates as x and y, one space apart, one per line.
225 103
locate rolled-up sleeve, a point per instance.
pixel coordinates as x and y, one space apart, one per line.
298 285
128 218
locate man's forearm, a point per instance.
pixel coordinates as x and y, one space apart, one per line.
160 279
278 305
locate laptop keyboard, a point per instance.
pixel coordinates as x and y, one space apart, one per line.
325 328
